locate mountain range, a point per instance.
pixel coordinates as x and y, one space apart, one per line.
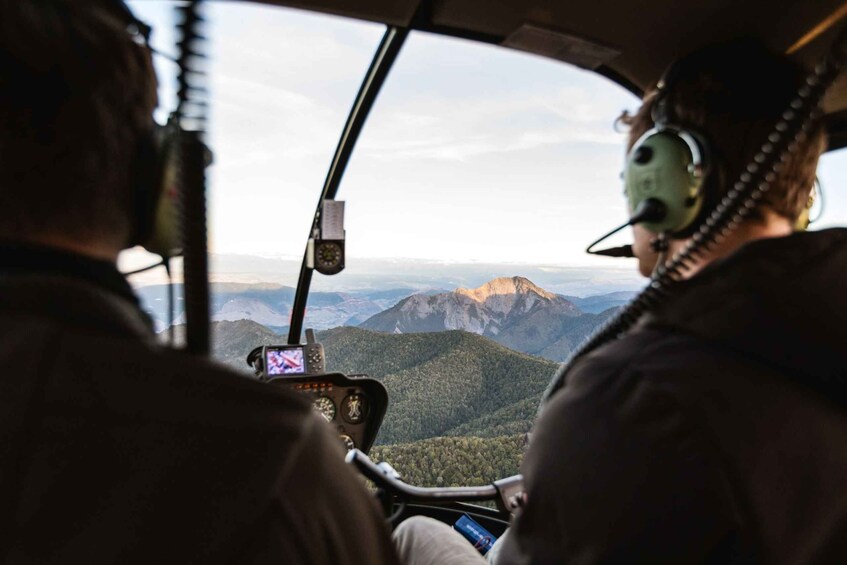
512 311
270 304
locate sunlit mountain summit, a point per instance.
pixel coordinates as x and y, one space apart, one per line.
511 310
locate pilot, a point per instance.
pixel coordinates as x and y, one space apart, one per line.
713 430
115 449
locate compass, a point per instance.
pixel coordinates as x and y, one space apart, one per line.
329 256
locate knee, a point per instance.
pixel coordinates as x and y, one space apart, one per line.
415 528
417 537
424 541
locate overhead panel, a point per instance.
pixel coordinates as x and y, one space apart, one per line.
390 12
561 46
648 35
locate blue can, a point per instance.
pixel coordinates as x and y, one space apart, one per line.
481 538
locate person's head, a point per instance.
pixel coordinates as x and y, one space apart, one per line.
733 94
77 93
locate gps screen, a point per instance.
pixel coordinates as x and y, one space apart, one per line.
288 361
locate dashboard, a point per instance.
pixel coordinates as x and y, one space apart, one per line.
353 406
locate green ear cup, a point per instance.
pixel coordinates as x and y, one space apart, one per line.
165 236
666 165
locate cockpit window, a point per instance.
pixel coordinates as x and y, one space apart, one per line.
490 156
281 83
830 210
478 181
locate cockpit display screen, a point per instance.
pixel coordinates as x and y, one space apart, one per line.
285 361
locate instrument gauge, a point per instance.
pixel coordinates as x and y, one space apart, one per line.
325 407
354 408
328 255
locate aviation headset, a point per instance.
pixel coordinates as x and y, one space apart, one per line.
794 122
155 224
667 168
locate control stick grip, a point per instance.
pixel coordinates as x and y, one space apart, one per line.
506 492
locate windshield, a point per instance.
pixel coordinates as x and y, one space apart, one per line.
281 84
478 181
475 187
830 209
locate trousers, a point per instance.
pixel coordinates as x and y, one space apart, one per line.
424 541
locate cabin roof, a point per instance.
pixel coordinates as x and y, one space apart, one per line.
629 42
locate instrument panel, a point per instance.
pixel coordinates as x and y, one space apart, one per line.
354 407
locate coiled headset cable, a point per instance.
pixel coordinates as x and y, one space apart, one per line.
192 115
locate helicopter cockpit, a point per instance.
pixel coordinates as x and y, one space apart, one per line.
623 46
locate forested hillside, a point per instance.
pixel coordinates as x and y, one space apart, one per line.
460 405
453 462
439 384
447 383
232 341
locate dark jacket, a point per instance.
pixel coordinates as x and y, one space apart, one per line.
116 450
714 431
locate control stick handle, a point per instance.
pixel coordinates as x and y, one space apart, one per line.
507 493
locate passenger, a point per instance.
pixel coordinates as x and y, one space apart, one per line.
115 449
714 430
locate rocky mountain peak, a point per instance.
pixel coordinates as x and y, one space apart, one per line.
504 285
511 310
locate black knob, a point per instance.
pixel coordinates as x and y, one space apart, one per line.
643 155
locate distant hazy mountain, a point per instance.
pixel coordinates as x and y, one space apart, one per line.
270 304
602 302
512 311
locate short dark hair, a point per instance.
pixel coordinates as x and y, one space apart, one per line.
734 93
77 94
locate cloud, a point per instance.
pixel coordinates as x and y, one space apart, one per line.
510 135
468 135
452 126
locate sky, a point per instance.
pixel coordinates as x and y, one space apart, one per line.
472 153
